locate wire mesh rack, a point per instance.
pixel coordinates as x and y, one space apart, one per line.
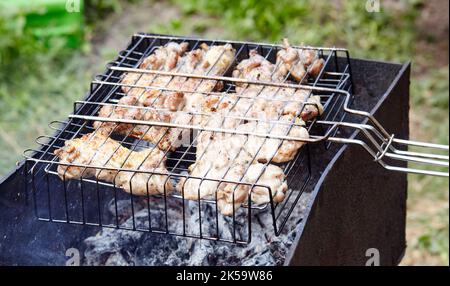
95 197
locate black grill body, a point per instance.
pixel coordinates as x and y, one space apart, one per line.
358 206
352 204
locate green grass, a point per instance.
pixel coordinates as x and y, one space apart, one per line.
435 239
26 109
429 97
39 82
369 34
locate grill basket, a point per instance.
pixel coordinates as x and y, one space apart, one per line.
90 201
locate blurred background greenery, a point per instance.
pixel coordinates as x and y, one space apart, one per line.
43 70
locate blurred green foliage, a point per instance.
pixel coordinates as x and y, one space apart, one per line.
435 239
98 9
18 46
386 35
39 78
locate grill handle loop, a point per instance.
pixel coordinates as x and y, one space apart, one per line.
387 149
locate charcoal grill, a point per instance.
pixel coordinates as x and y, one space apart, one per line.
350 100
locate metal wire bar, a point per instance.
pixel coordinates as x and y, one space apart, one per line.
346 108
305 47
333 84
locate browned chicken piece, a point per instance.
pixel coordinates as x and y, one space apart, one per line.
266 117
270 103
262 149
275 102
296 62
98 150
119 112
222 161
162 105
233 157
257 68
270 149
299 62
268 178
224 157
216 61
224 167
163 58
205 138
152 96
206 60
167 138
231 195
213 60
166 58
272 100
215 153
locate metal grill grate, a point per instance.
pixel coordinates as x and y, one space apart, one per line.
90 201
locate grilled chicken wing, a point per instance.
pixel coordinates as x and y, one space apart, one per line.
215 153
228 177
166 58
271 176
215 60
251 98
224 158
299 62
286 101
267 104
96 149
274 150
162 104
257 180
257 68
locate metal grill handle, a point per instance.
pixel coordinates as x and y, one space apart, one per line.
380 146
384 147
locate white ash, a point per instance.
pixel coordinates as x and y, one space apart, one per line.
123 247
